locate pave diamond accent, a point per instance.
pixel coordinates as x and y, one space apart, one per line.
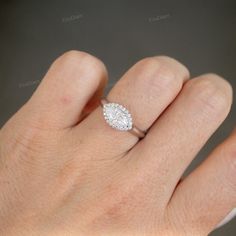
117 116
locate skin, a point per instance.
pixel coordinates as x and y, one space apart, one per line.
65 171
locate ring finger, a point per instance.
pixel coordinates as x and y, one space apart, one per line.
145 90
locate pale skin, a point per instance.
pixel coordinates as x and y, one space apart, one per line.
65 171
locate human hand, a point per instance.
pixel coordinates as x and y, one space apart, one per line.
65 171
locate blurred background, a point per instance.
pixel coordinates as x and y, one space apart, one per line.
201 34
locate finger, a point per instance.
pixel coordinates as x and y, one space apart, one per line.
208 194
145 90
72 80
183 129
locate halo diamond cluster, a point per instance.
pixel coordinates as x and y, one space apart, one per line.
117 116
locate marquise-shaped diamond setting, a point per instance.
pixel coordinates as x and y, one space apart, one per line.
117 116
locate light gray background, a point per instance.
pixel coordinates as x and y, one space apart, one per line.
201 34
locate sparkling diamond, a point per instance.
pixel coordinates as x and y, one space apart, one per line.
117 116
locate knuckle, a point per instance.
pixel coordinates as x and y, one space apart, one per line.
75 56
79 60
212 91
160 74
176 66
147 63
159 67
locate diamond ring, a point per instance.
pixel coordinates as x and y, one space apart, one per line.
118 117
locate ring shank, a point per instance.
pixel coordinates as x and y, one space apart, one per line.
137 132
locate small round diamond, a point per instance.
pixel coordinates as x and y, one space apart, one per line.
117 116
